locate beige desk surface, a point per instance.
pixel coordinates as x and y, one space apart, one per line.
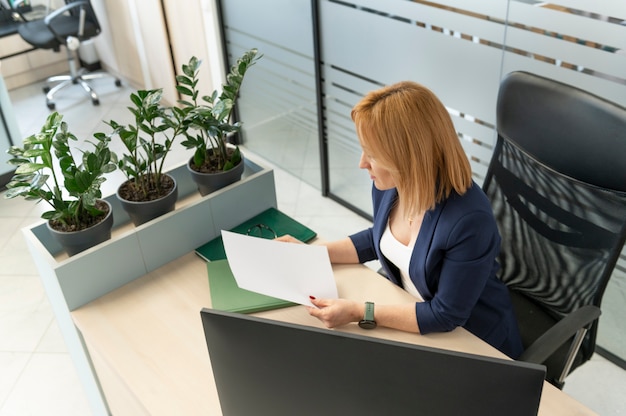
148 347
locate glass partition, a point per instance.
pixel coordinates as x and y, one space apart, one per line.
391 41
278 100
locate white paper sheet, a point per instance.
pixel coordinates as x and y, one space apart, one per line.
286 271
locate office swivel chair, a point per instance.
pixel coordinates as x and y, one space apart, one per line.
67 26
557 183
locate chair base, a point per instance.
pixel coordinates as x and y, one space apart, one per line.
81 77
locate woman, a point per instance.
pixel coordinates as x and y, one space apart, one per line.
433 232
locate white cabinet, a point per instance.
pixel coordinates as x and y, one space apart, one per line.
145 42
21 67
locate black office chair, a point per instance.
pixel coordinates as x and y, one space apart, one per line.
557 183
67 26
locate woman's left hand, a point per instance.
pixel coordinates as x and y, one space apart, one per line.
336 312
288 239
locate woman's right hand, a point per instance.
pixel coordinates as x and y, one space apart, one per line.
335 312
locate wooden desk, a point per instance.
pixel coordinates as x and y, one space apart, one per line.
148 348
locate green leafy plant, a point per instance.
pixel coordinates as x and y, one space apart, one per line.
47 155
147 141
209 119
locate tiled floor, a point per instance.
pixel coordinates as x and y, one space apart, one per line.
36 374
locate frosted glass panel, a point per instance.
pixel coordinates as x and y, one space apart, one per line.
453 51
278 103
582 43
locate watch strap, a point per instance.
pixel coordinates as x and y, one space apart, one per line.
368 321
369 311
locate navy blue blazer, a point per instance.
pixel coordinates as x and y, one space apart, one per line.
453 266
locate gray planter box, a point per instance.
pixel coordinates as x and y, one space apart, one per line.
71 282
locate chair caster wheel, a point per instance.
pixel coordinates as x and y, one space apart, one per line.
50 106
46 90
118 83
95 102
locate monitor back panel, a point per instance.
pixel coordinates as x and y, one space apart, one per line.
263 367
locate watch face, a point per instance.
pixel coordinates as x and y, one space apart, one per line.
367 324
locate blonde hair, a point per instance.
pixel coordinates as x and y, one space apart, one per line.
410 133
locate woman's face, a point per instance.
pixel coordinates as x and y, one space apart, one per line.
381 176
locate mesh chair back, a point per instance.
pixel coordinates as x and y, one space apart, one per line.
557 183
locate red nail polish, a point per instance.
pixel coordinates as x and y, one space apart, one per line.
312 297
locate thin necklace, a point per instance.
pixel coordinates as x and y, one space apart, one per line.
396 209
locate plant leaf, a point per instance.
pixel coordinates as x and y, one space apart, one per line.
29 168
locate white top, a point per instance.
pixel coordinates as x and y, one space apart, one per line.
400 256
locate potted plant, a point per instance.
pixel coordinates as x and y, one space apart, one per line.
148 192
214 163
48 171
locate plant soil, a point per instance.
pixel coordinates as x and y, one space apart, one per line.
129 192
211 164
85 222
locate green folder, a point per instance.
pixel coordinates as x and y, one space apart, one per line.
227 296
272 218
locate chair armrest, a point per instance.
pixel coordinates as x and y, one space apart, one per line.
49 19
561 332
57 12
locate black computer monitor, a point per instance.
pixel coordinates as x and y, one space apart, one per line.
265 367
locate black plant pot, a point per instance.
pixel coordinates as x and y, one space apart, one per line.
211 182
143 211
77 241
